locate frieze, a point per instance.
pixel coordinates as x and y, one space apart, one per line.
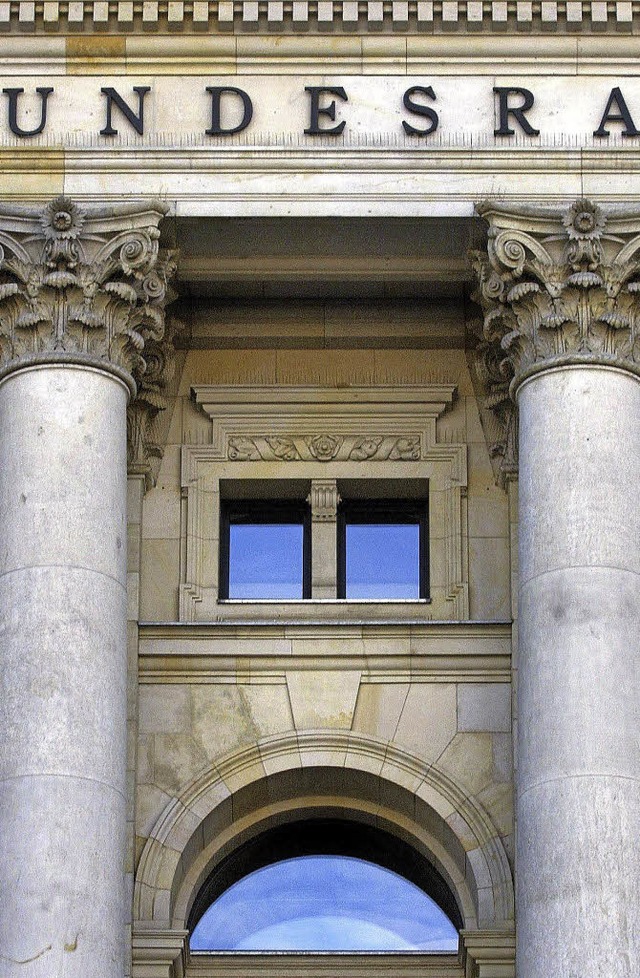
316 112
323 448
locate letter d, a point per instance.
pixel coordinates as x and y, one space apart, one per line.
216 98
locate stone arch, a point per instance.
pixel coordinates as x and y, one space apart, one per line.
320 773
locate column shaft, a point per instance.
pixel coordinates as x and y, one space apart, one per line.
578 782
63 672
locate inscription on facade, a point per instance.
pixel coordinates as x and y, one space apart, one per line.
329 111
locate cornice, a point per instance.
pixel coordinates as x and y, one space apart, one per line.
434 53
348 16
310 965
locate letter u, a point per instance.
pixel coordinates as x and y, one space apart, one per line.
13 94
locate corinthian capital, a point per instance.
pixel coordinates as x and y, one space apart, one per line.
82 285
559 287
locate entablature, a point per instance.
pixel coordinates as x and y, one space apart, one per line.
392 651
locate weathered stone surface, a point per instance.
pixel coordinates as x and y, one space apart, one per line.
578 752
63 670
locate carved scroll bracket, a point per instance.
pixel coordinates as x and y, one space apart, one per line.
324 500
90 286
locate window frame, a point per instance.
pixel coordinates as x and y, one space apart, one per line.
394 511
267 511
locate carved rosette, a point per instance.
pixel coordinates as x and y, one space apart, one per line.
81 285
559 288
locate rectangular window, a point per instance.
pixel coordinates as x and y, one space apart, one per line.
265 550
383 549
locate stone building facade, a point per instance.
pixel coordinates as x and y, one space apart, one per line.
319 251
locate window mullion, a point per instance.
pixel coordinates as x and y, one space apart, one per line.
323 502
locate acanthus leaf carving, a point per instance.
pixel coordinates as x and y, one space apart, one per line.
153 393
90 286
243 450
555 288
284 449
323 448
365 448
562 289
406 449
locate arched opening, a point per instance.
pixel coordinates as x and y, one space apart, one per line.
210 824
325 884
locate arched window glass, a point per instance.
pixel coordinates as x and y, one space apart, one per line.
324 903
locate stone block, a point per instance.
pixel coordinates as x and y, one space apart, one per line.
164 709
151 801
489 570
484 706
488 513
159 580
497 800
428 719
469 761
178 759
144 760
222 721
503 757
378 709
323 699
268 707
161 514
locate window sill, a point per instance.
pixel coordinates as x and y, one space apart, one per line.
324 964
324 610
323 601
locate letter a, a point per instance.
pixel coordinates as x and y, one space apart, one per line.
623 115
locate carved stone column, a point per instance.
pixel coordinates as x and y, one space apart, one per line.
82 295
560 295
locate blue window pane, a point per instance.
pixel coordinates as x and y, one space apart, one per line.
266 561
382 560
324 903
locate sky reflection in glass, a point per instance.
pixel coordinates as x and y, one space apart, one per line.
382 560
265 561
324 903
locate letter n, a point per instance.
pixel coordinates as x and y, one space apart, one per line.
135 120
